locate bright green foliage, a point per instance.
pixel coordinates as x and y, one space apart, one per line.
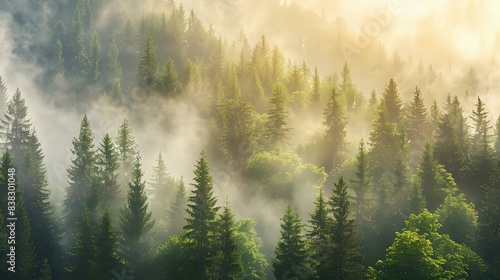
201 227
169 82
411 257
217 60
291 255
335 133
136 223
282 172
80 174
84 252
459 219
177 210
106 253
228 263
107 163
146 76
277 130
253 262
175 258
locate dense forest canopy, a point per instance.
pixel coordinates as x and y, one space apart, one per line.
259 139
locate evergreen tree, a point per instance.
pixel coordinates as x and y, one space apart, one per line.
217 60
107 163
447 149
348 89
147 67
161 187
3 97
345 253
291 255
483 157
497 138
277 130
316 87
113 68
16 126
416 200
237 129
177 210
335 133
229 261
201 225
83 263
385 143
434 118
170 84
92 60
126 149
136 223
106 255
490 221
361 184
80 174
392 103
427 172
416 123
248 243
25 248
317 235
4 249
45 271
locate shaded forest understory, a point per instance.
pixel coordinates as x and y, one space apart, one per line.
418 197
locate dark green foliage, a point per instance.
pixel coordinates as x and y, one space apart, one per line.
490 221
237 117
291 254
428 175
228 264
107 163
277 130
26 263
345 253
16 126
135 223
146 75
4 249
106 251
83 262
92 67
335 133
497 138
80 174
361 184
161 188
416 123
45 271
201 226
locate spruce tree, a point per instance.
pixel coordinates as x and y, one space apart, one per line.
497 138
291 254
3 97
113 68
335 133
348 89
161 187
4 248
434 117
107 163
447 150
106 254
177 210
170 84
361 184
392 103
84 252
147 67
201 227
136 223
228 265
45 270
316 88
127 153
345 253
427 172
26 263
81 174
490 221
317 234
416 123
15 126
92 69
276 129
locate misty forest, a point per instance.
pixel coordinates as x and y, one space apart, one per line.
264 139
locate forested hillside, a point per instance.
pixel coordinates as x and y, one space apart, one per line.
249 140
